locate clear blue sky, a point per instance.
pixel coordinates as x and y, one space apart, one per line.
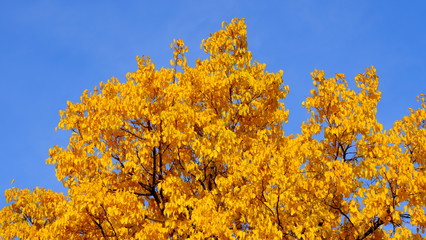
50 51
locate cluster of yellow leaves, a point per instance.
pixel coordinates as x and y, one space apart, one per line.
200 153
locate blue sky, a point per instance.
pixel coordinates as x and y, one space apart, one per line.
52 50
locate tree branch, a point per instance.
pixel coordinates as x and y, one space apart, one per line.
373 228
109 222
97 223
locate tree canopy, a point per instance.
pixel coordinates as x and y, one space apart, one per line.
200 152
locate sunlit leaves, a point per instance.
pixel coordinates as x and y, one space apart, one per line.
199 151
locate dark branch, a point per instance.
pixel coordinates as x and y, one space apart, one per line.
109 222
373 228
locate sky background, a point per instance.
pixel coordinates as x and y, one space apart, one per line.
50 51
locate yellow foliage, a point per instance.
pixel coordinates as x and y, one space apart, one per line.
199 152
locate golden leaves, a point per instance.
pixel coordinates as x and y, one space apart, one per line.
30 212
199 152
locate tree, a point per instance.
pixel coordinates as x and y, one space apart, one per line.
200 153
